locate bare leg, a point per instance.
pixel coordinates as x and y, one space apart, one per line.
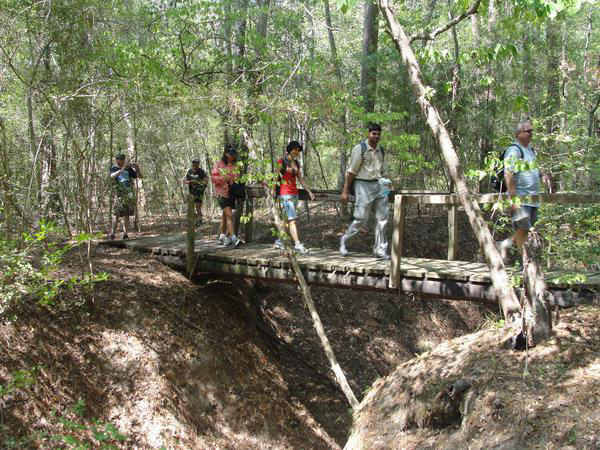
126 224
115 225
199 210
293 230
519 238
228 220
224 222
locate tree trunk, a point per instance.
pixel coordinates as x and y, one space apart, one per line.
306 294
552 102
338 73
504 291
368 73
539 326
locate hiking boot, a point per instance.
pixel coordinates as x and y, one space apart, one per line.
279 244
112 237
125 236
301 249
343 249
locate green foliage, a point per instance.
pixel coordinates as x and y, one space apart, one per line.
573 238
21 379
80 433
29 272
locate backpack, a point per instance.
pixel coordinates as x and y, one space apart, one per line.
281 173
237 190
497 179
363 150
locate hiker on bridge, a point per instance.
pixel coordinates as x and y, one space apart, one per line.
223 175
365 174
289 171
522 178
123 175
197 181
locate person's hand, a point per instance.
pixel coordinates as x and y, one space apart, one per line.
547 182
344 196
311 195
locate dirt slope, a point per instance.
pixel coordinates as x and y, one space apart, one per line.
216 365
472 393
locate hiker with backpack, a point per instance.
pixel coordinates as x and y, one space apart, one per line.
365 175
521 178
289 173
197 181
224 176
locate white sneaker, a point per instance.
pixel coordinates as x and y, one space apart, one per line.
225 241
343 249
299 248
235 241
279 244
504 249
382 255
221 239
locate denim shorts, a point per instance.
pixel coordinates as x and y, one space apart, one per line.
289 203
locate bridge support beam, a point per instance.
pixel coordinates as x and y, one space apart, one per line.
446 289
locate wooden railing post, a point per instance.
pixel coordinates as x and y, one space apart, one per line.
191 223
239 211
452 232
249 227
397 238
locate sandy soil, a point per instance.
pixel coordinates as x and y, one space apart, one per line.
222 363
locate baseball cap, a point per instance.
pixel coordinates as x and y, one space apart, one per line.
230 149
195 160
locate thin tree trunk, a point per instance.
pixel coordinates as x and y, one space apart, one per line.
368 73
306 294
539 327
338 73
504 291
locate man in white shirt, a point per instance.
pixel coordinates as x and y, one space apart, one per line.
365 170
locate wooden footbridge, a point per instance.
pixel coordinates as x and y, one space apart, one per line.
448 279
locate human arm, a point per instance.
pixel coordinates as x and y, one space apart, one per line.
353 168
301 181
547 180
216 176
116 171
138 172
347 182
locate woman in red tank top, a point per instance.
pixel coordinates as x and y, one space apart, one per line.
289 174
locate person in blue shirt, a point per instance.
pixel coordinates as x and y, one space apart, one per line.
522 178
123 175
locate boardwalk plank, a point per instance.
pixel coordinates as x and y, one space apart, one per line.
269 260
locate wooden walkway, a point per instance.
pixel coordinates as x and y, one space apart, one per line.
430 277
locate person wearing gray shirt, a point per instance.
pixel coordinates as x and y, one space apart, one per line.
522 179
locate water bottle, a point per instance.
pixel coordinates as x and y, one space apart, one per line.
385 186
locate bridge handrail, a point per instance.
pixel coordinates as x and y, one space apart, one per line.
415 196
452 200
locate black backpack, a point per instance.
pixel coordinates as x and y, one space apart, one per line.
497 179
237 190
363 150
281 173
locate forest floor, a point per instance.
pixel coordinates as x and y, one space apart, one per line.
219 363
